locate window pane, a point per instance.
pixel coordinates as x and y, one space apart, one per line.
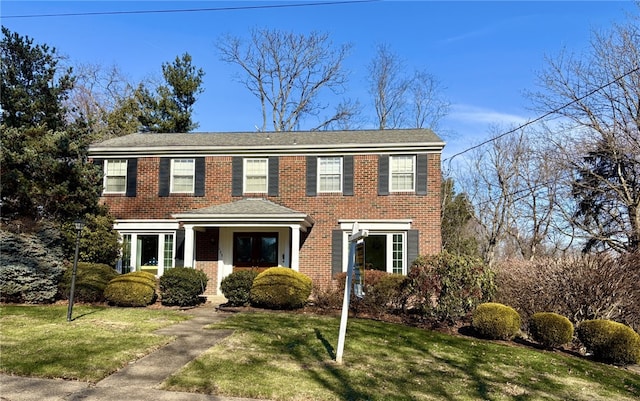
269 250
255 174
398 252
115 176
182 184
168 251
330 174
116 167
116 184
126 253
182 175
330 183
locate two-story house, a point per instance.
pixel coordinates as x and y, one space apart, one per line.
225 201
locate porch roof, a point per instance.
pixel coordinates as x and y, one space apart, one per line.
249 210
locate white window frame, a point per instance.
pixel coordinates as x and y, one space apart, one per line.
106 176
134 256
174 175
324 173
246 175
393 174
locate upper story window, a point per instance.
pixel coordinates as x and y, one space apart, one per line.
115 177
182 175
402 173
255 175
329 174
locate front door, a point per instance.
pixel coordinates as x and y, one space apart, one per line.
255 249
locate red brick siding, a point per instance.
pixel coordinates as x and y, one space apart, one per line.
326 209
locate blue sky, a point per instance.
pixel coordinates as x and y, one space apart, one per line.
486 54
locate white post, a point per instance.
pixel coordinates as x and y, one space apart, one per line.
189 239
295 247
353 239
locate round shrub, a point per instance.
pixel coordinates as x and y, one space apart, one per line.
132 289
550 329
280 288
610 341
91 281
236 287
496 321
182 286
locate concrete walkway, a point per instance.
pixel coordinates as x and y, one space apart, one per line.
138 381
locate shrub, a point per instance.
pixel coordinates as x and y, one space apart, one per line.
132 289
496 321
382 292
30 265
91 281
236 287
447 287
280 288
550 329
610 341
580 288
99 242
182 286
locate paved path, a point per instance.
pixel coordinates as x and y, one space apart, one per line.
139 381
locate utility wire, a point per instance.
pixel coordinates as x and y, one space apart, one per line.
190 10
542 117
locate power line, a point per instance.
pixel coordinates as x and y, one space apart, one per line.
542 117
190 10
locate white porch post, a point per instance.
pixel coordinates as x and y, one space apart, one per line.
189 239
295 247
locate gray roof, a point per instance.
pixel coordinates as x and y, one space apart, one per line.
248 206
300 142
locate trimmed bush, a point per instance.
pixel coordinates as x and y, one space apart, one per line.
280 288
236 287
610 341
496 321
132 289
182 286
383 292
91 281
550 329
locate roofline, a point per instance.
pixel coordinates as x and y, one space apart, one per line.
299 218
377 148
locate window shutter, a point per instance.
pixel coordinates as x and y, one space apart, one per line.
164 178
179 248
200 174
274 175
383 175
336 252
312 175
347 175
132 177
421 174
236 176
99 163
413 247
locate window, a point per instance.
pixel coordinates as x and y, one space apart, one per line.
255 175
330 174
402 173
115 178
153 253
182 175
386 252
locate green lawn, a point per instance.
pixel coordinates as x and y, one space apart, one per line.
283 356
38 341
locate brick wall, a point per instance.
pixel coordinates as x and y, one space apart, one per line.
326 209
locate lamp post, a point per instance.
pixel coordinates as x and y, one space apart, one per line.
79 224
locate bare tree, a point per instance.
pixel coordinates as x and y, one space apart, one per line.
401 99
597 97
289 73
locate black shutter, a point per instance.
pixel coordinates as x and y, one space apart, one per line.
347 175
200 173
236 176
179 256
312 168
413 247
132 177
274 175
336 252
421 174
164 178
383 175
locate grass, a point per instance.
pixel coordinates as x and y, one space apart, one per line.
38 341
290 357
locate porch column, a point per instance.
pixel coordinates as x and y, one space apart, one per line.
189 239
295 247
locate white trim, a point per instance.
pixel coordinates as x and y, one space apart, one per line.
145 225
377 225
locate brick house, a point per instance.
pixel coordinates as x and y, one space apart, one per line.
225 201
